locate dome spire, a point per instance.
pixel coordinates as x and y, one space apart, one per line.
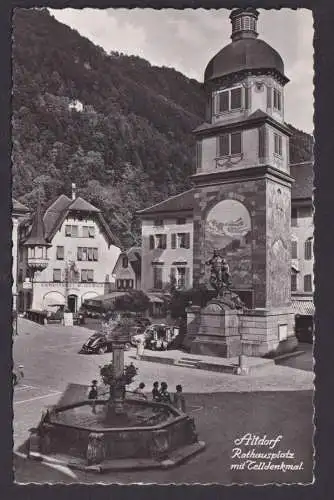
244 23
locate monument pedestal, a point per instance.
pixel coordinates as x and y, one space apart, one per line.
218 333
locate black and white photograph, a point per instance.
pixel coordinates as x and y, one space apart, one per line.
162 246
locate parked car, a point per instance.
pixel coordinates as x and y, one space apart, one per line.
98 343
17 374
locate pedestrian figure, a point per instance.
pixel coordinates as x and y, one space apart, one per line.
140 348
178 400
140 390
164 394
92 394
156 392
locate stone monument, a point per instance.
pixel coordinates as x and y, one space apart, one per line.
219 327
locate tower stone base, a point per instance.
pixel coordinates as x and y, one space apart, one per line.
267 332
215 331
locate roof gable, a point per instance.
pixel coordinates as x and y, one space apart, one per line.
81 205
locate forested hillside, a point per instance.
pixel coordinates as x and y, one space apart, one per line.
128 147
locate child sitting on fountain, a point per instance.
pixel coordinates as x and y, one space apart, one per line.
92 394
140 390
164 394
178 400
156 392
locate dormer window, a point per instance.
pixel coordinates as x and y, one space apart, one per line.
228 100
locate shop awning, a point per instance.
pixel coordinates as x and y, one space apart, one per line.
303 307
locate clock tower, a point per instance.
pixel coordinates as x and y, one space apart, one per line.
242 186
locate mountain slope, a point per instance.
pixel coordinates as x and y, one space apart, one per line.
127 145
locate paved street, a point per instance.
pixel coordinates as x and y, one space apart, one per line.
51 361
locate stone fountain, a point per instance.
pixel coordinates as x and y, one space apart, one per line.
116 433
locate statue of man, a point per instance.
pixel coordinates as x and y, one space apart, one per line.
220 275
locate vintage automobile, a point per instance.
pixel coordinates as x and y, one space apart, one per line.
17 374
98 343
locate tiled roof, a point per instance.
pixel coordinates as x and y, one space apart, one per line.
54 213
133 253
302 173
81 205
182 201
58 211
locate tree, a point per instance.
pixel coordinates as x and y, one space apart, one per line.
133 301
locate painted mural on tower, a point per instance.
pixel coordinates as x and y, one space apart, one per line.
228 229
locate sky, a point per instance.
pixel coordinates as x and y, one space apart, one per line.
187 39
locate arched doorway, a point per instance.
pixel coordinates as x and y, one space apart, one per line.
72 303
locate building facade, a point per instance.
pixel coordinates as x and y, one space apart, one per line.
79 259
19 212
167 244
127 270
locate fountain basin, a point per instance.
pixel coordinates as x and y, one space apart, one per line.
147 435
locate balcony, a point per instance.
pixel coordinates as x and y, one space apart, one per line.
37 263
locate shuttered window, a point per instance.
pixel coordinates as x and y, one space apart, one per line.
308 283
294 250
157 277
308 249
60 253
293 281
57 275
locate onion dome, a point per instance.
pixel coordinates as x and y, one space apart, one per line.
246 53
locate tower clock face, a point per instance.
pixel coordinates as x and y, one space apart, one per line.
228 230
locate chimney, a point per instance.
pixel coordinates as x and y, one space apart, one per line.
73 191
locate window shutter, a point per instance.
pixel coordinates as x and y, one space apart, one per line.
172 275
173 240
187 240
294 254
68 231
91 231
95 254
79 253
90 275
84 231
84 275
223 101
151 242
223 147
262 148
247 97
164 241
236 98
74 231
60 253
90 253
236 143
187 278
269 97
